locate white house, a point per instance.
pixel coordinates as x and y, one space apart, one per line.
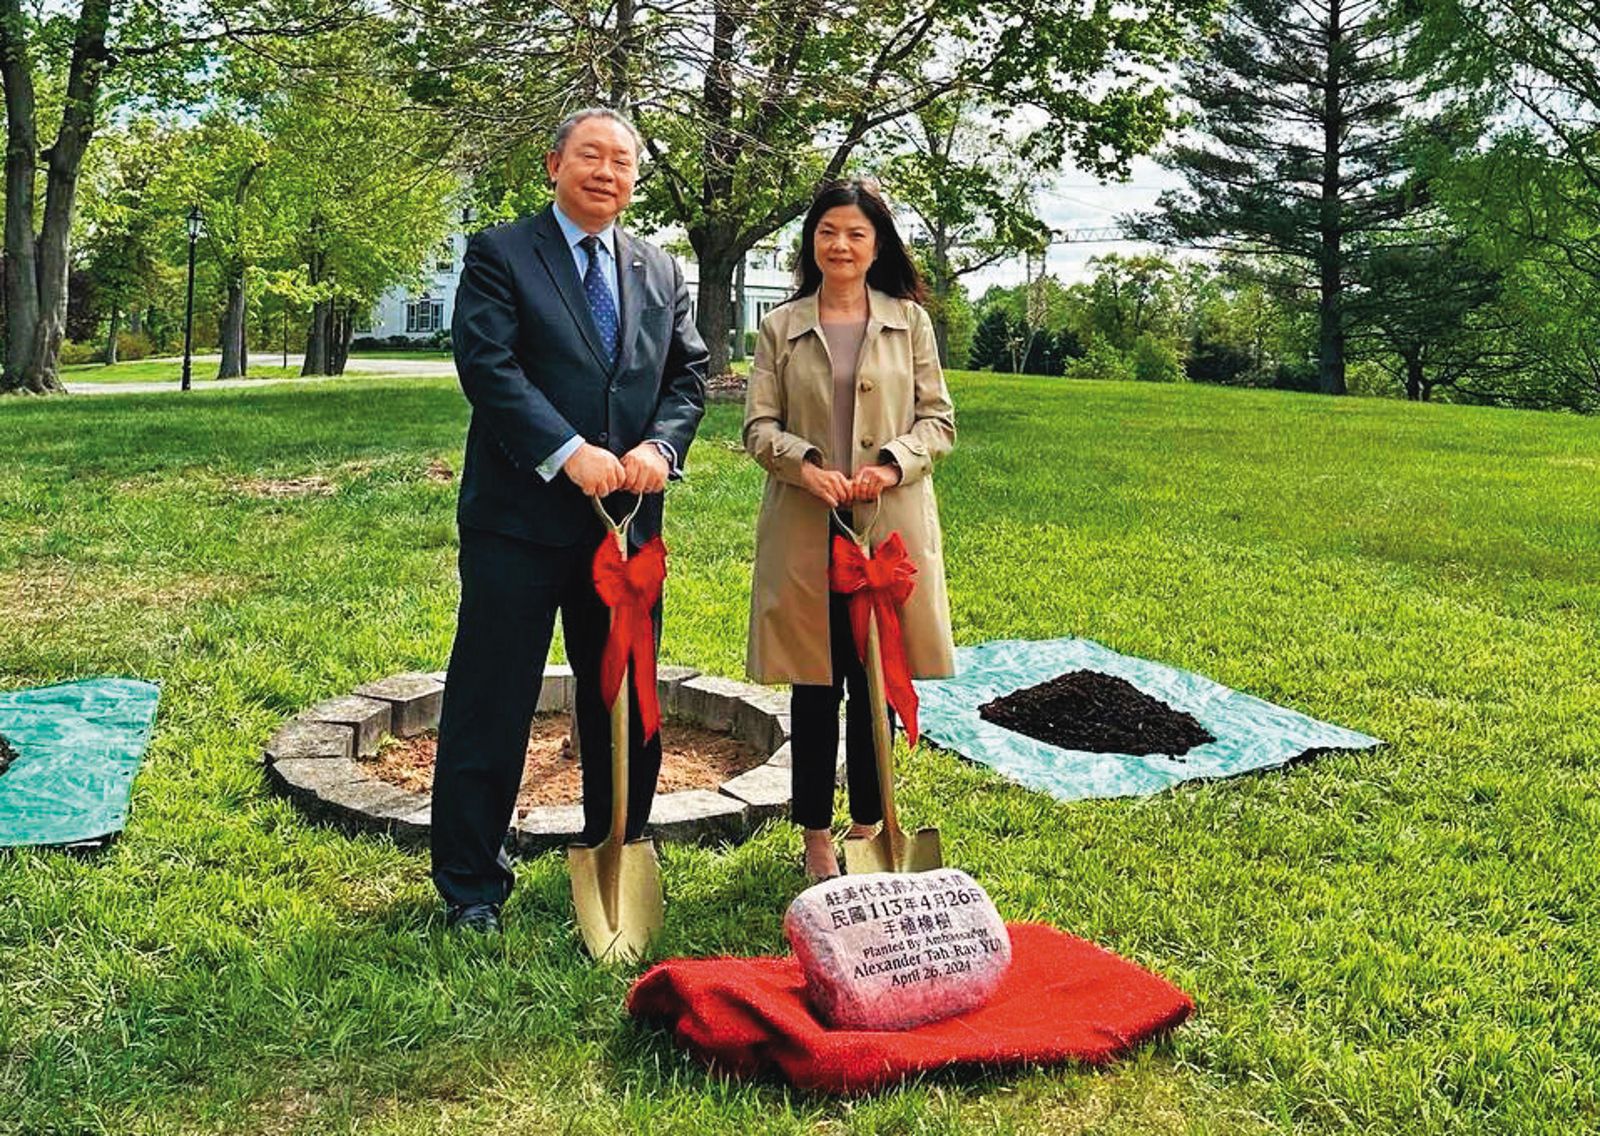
421 312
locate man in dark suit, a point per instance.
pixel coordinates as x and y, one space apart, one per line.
587 378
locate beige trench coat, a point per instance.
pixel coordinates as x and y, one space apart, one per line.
902 407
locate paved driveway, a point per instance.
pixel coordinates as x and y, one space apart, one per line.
203 364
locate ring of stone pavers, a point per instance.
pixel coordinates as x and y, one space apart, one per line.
313 760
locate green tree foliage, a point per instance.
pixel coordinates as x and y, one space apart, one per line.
1302 157
961 175
1146 318
59 72
990 349
1528 200
747 104
121 231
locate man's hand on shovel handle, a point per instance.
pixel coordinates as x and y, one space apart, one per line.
595 470
644 469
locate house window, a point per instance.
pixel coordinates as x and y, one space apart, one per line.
364 323
424 315
445 259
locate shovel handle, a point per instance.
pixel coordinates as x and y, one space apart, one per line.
860 538
877 695
611 846
882 737
619 708
619 737
618 529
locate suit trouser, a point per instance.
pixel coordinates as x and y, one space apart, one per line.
814 731
511 591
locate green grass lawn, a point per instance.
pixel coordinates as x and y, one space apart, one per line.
1401 941
164 371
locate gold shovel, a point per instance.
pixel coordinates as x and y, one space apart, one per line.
891 850
616 885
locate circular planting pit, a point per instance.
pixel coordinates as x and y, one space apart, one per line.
358 760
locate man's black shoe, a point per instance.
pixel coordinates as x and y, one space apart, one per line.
483 918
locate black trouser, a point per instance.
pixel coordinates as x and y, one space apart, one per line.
814 732
510 593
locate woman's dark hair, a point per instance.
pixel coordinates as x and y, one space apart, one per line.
893 272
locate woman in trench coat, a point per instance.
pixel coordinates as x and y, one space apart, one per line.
846 408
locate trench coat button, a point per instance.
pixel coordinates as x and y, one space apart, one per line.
866 443
602 437
866 385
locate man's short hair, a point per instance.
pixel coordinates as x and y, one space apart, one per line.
570 123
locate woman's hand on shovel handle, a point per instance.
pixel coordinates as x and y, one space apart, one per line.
871 480
829 486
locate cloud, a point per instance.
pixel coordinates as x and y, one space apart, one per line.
1082 209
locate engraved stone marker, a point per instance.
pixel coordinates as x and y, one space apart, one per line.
893 950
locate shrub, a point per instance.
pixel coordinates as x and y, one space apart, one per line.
73 353
133 345
1211 361
1102 361
1300 375
1155 360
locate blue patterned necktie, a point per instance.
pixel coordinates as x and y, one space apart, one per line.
601 306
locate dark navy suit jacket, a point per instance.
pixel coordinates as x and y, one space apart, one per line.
532 366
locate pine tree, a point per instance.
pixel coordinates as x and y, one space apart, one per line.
1305 109
991 342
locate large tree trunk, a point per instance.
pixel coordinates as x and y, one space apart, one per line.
36 267
111 336
341 329
939 283
316 361
714 301
316 358
621 89
739 310
22 148
232 331
1330 304
1416 381
716 241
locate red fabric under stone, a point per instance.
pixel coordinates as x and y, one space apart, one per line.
1064 999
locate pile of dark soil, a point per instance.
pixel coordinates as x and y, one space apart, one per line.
691 758
1096 713
7 753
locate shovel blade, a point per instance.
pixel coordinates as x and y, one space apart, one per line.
918 852
617 896
923 851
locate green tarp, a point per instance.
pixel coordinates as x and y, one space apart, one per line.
78 747
1250 734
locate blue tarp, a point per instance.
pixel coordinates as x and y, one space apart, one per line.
1250 734
78 747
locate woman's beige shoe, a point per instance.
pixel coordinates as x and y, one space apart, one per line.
821 858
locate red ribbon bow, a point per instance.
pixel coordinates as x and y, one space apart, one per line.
630 589
879 585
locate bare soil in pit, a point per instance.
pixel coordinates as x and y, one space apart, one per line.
691 758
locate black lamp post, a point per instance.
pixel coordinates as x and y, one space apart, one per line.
194 221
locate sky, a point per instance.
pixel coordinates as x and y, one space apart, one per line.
1074 201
